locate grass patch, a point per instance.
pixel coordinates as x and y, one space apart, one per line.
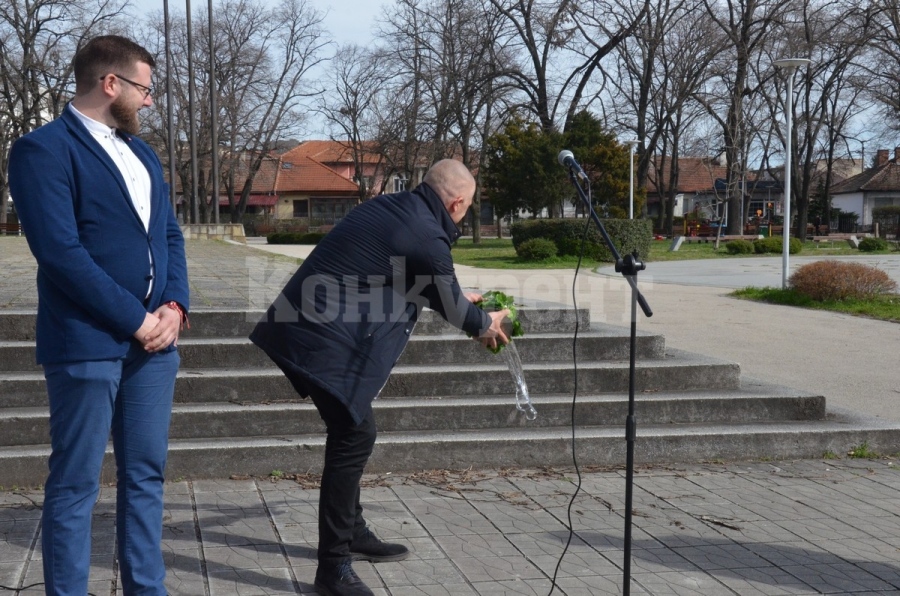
498 253
862 452
884 308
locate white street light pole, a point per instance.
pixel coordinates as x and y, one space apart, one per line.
631 144
789 65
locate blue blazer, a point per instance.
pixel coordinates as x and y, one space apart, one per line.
89 242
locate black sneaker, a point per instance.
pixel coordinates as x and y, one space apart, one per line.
340 580
369 547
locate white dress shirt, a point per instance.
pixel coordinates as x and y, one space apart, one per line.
137 179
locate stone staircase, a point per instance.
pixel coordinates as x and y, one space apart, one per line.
450 404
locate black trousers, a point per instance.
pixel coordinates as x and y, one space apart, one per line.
347 449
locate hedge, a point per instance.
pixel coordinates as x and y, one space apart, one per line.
294 238
775 244
628 235
536 249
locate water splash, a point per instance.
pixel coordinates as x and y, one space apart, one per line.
523 400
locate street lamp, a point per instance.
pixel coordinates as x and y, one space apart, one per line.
631 144
789 65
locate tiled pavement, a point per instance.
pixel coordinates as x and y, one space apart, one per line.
799 527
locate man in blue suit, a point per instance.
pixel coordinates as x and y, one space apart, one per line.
113 296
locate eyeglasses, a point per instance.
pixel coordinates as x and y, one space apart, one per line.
147 91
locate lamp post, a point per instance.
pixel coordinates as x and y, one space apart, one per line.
789 65
631 144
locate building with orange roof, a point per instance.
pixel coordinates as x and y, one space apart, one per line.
307 188
876 187
696 188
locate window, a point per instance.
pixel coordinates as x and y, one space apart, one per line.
400 184
331 211
301 208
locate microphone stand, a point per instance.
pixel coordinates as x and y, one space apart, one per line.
628 267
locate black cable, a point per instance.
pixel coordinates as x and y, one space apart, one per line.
29 586
571 526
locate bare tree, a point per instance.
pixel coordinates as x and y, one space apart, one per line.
655 75
561 45
748 26
38 39
884 69
264 59
349 108
834 35
452 57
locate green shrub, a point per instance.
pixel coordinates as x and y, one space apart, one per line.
775 244
295 237
628 235
838 280
739 247
536 249
872 244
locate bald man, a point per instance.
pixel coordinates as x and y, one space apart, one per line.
342 321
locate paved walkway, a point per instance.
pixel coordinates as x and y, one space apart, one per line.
800 527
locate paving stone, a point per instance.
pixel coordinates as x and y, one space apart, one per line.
247 556
418 572
260 537
252 582
768 581
513 588
432 590
837 578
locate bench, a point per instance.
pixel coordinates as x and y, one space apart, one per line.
851 239
11 229
679 240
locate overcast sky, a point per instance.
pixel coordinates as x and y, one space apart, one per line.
347 21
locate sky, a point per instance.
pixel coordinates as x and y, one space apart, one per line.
348 21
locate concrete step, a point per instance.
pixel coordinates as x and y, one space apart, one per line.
536 317
754 401
524 446
600 342
675 371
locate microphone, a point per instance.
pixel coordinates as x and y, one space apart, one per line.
567 159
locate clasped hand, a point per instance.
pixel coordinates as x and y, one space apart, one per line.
160 329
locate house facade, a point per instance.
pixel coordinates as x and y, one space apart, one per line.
876 187
307 188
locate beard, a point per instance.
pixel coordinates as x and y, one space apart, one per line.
125 116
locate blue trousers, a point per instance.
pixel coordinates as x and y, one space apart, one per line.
132 398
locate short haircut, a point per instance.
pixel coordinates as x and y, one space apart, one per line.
107 54
450 179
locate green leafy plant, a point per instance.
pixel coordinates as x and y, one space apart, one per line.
495 300
536 249
775 244
863 451
870 244
739 247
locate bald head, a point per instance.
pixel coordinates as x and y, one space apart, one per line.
453 182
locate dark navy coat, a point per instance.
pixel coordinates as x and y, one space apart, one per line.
345 317
91 248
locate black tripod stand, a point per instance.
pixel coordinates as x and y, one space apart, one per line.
628 267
